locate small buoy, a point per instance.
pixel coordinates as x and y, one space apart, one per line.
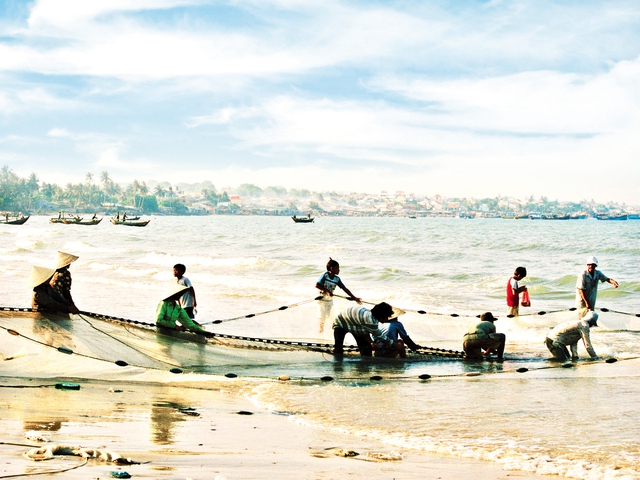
424 376
175 370
611 360
67 386
472 374
244 412
230 375
376 378
522 370
284 378
13 332
542 313
121 363
66 350
326 378
567 365
604 309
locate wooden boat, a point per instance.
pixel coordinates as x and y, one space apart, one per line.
15 221
614 216
308 219
71 220
81 222
140 223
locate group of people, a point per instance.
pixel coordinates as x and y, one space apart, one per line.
177 309
52 293
479 341
482 339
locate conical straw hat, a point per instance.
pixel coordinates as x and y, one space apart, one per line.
40 275
65 259
396 312
173 289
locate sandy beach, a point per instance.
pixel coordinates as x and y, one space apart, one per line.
180 433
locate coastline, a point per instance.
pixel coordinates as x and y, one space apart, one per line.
192 433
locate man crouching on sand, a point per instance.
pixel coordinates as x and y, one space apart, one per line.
483 336
362 323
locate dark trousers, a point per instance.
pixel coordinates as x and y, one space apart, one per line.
190 313
364 345
473 348
558 350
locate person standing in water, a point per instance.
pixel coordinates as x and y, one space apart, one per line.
587 286
514 290
188 298
327 283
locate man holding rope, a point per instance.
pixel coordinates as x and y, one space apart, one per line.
362 323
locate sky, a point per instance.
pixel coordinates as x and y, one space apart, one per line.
458 98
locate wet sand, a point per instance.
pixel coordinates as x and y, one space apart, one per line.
181 433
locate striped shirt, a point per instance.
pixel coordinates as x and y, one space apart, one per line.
360 321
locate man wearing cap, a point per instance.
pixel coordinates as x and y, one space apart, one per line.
61 280
587 286
169 312
483 336
362 323
45 298
568 334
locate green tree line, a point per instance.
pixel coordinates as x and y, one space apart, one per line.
27 194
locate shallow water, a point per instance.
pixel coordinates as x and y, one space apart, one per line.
575 422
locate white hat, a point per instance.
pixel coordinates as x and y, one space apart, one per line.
591 318
39 275
592 260
65 259
173 289
397 312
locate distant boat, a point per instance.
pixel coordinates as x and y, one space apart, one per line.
412 216
633 216
307 219
141 223
614 216
15 221
67 220
81 222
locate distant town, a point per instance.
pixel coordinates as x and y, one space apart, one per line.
23 196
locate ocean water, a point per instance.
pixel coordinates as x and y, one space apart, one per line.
578 422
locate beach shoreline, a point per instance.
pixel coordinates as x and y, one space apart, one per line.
179 432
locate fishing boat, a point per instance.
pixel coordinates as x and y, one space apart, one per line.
15 220
612 216
307 219
72 220
130 223
93 221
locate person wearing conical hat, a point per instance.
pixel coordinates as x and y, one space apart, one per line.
45 297
61 280
169 312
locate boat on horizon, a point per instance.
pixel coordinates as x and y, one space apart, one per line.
307 219
7 220
130 223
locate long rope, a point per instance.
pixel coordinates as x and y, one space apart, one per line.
251 315
47 472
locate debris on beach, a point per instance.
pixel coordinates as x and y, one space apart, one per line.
334 451
34 436
50 451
